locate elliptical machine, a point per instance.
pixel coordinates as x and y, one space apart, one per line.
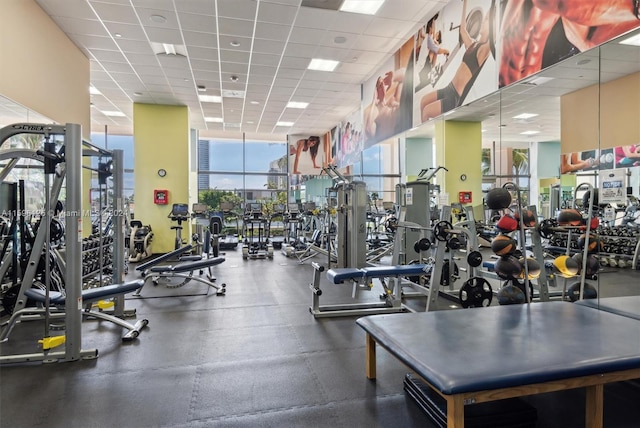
179 213
256 243
139 241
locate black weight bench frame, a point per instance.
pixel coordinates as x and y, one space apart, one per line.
185 270
57 301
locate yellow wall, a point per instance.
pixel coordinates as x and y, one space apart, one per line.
613 109
41 68
461 151
161 140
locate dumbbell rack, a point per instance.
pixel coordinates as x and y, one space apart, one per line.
621 244
97 261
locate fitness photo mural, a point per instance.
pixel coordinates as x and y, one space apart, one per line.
308 153
536 34
388 97
351 140
594 160
455 58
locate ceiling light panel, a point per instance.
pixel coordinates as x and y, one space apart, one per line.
210 98
366 7
525 116
297 104
319 64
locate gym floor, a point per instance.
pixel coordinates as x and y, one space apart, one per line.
254 357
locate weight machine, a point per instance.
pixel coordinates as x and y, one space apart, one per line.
228 241
139 241
256 242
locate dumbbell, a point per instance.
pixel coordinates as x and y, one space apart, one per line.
423 244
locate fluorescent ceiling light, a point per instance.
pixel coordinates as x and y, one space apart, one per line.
94 91
525 116
322 64
633 40
213 119
289 124
296 104
529 132
113 113
367 7
210 98
169 49
255 102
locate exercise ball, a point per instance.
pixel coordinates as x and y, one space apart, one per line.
498 198
533 268
573 291
508 267
569 217
507 223
528 218
594 243
587 195
594 223
593 264
510 295
566 266
503 245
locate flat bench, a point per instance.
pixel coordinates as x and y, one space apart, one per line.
185 271
339 275
90 295
485 354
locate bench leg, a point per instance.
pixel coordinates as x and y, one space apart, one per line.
455 411
371 357
594 406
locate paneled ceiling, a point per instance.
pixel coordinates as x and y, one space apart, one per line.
252 53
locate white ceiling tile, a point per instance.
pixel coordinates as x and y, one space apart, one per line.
206 40
234 68
235 27
238 9
315 18
95 42
307 36
198 64
108 55
154 4
301 51
67 9
268 46
262 70
295 62
261 79
272 31
164 35
117 67
290 73
134 47
197 22
234 56
226 43
265 59
276 13
137 59
207 75
206 54
122 13
145 15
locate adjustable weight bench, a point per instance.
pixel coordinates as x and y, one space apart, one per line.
185 271
89 296
485 354
362 279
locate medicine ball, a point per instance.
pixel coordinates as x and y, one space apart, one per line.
508 267
503 245
569 217
507 223
498 198
566 266
595 244
510 295
593 264
573 291
528 218
533 267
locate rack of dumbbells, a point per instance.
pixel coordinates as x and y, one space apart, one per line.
620 246
97 260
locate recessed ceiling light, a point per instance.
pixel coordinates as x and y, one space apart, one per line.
113 113
234 43
281 123
255 102
633 40
250 122
210 98
202 88
296 104
367 7
234 78
137 94
117 35
213 119
94 91
525 116
529 132
322 64
158 18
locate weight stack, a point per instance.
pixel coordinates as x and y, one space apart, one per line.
508 413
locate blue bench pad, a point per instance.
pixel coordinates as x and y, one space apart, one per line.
626 306
188 266
339 275
401 270
89 295
507 346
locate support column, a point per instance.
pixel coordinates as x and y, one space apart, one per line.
459 149
161 141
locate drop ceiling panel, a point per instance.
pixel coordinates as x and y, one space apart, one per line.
271 47
137 59
235 27
203 53
108 55
205 40
122 13
95 42
265 59
148 18
197 22
276 13
134 47
85 27
234 56
269 31
164 35
238 9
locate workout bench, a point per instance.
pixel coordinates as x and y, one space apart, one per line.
89 296
362 279
486 354
185 270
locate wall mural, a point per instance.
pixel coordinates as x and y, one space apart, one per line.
308 153
351 141
455 58
592 160
388 97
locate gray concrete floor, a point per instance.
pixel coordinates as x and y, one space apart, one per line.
255 357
